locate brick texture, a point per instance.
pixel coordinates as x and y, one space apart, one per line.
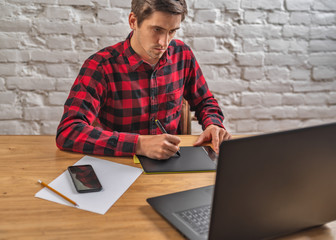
270 63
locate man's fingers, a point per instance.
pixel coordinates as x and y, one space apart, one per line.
160 146
169 146
200 140
222 136
215 140
172 139
227 136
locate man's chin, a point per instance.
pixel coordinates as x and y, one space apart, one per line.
156 56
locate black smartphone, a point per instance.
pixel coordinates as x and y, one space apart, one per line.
84 178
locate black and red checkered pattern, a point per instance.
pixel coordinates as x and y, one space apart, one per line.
116 88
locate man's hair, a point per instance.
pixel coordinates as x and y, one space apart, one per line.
144 8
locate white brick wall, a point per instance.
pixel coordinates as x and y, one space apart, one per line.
270 63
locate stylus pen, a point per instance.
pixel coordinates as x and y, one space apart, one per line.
58 193
163 130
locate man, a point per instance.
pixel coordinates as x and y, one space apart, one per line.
127 86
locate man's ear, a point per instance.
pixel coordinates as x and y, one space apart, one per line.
132 20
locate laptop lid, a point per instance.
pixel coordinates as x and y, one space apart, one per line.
266 186
275 184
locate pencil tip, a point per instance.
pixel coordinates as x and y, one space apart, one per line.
39 181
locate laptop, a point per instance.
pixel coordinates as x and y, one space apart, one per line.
266 186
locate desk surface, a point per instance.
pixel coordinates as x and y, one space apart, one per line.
25 159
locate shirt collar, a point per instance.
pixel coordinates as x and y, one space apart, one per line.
135 60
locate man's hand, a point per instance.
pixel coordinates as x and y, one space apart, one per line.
161 146
214 134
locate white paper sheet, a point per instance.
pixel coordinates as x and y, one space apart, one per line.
115 179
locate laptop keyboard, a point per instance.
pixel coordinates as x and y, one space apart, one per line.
197 218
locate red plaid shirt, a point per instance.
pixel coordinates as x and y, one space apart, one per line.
124 94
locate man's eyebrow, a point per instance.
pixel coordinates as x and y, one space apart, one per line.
174 29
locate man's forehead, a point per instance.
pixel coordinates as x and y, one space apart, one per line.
163 20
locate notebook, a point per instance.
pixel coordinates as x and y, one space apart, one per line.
192 159
266 186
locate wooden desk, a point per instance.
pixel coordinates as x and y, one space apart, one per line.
25 159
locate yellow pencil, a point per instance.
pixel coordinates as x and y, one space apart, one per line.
58 193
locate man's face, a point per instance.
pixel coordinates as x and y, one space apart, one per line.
152 38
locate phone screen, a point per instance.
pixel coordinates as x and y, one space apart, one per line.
84 178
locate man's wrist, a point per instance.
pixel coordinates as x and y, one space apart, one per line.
209 121
138 146
214 125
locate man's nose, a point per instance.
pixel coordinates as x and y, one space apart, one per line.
164 40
